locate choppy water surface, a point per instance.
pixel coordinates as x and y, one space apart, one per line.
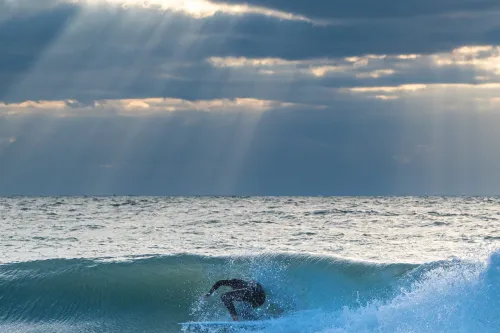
375 229
329 265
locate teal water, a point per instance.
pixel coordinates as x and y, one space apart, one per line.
154 294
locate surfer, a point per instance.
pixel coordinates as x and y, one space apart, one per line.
250 292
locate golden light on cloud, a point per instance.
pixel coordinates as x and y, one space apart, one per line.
26 106
49 105
366 58
203 8
408 56
223 62
320 71
418 87
320 67
386 97
394 89
372 66
386 93
376 74
158 105
138 107
473 50
481 96
486 58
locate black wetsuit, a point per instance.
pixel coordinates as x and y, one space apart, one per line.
246 291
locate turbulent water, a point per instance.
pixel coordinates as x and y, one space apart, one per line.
134 264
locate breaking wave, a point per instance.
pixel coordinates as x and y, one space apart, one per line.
305 294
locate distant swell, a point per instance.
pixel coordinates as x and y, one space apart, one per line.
154 294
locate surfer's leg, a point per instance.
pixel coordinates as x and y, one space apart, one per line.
228 302
236 295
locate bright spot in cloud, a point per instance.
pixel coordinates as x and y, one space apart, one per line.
353 66
223 62
401 88
386 97
321 71
376 74
7 141
481 57
203 8
49 105
386 93
408 56
452 95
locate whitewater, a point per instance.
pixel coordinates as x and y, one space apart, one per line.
140 264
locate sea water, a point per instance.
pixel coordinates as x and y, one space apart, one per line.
140 264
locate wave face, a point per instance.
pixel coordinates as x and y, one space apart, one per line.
305 294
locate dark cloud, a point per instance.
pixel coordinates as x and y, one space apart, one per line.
75 45
101 50
343 9
25 37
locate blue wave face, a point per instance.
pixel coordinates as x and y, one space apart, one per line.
305 294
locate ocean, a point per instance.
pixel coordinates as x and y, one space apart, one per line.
340 264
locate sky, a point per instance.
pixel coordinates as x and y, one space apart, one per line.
256 97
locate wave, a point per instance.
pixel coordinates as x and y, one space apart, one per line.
305 294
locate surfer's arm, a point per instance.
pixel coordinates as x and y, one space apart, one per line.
234 283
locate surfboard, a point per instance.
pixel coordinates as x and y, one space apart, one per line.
200 325
244 324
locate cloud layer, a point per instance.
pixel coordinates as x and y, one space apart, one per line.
261 96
